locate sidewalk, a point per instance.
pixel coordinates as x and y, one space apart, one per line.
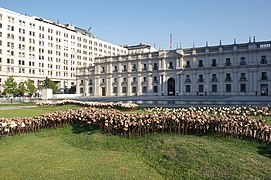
15 107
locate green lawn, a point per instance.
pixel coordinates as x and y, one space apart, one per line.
16 104
35 111
82 153
76 152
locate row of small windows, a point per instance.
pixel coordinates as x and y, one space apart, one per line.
134 67
214 89
171 66
263 60
227 77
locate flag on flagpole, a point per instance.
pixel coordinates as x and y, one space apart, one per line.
170 40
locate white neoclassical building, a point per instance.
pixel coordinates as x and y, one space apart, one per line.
33 48
234 69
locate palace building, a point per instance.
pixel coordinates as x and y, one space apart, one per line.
34 48
233 69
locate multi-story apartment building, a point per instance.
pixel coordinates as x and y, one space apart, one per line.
235 69
35 48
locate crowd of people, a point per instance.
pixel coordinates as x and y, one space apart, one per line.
225 122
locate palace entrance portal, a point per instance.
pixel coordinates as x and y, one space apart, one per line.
171 87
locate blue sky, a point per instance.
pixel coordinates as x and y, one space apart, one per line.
151 21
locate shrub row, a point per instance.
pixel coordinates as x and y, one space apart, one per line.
118 105
209 121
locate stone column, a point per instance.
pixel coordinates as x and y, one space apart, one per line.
149 84
182 85
139 87
221 82
119 80
235 83
129 87
108 85
97 88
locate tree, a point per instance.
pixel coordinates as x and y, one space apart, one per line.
21 89
10 86
52 85
73 90
31 89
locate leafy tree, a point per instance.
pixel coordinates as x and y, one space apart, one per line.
72 90
10 86
21 88
31 89
52 85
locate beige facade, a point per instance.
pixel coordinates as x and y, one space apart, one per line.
34 48
235 69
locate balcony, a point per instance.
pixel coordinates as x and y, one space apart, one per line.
144 69
124 70
200 80
214 80
242 63
155 82
170 67
155 68
263 62
227 79
264 78
200 65
133 83
114 84
243 78
123 83
187 80
228 64
102 84
214 64
187 66
134 70
144 83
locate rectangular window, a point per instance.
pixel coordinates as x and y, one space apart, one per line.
264 76
134 89
115 69
170 65
134 67
155 66
243 88
201 79
115 90
228 62
228 87
187 88
200 63
144 66
201 89
242 61
124 89
214 63
228 77
214 79
187 64
263 60
144 89
124 68
214 88
155 89
90 90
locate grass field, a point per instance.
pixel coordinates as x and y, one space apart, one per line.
76 152
35 111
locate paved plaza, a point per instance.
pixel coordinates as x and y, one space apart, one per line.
185 101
